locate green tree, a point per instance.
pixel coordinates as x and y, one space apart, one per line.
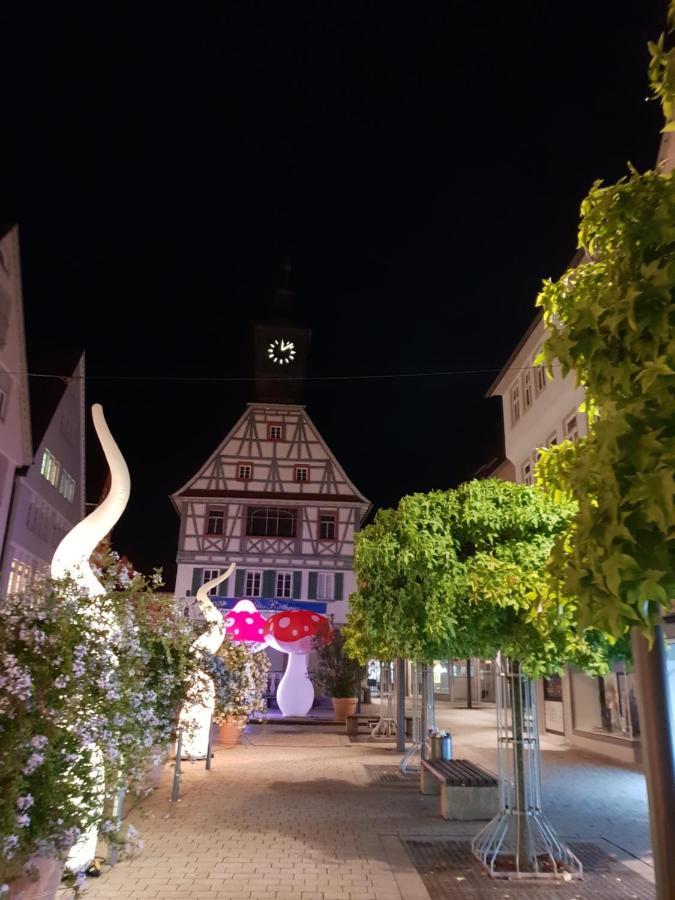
463 572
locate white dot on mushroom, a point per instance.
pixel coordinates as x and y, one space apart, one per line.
285 622
295 632
248 620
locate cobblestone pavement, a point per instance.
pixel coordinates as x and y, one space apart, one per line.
294 812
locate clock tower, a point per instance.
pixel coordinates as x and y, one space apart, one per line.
281 347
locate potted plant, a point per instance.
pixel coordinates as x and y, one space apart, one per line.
339 676
240 679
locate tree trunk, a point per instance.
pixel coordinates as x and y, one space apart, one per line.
525 848
657 736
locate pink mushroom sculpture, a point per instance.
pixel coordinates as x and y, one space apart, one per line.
293 632
244 623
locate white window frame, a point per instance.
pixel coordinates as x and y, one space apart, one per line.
245 471
527 476
209 575
272 431
218 516
325 585
20 574
253 583
50 467
574 434
283 588
334 517
515 403
539 379
302 479
528 394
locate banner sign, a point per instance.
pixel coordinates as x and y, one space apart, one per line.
273 604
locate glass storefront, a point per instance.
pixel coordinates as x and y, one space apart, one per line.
451 683
605 704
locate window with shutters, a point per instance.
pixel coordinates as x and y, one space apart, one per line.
245 471
215 521
301 473
284 583
270 522
253 583
326 526
515 404
209 575
527 389
325 586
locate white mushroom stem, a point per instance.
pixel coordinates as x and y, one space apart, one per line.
73 553
72 558
196 714
295 693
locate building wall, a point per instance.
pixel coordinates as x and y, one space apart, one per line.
256 468
43 512
538 412
15 438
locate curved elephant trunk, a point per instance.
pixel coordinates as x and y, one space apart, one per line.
73 553
214 635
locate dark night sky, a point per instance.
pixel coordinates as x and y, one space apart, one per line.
421 164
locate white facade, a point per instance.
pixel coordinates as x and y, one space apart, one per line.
274 500
49 494
595 714
15 433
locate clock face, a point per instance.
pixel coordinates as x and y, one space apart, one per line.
281 351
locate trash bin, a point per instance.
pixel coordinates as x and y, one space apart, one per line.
440 745
366 695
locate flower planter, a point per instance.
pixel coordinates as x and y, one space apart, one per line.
343 707
229 731
48 881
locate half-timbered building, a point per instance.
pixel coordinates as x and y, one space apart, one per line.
273 499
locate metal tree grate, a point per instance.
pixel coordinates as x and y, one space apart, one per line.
519 842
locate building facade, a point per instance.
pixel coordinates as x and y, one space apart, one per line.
15 430
597 714
49 494
273 499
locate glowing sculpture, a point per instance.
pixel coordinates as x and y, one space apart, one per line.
244 623
195 717
72 558
293 632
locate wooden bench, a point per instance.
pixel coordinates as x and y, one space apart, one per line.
466 790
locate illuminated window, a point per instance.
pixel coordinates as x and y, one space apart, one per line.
515 404
67 486
19 577
284 582
275 432
253 584
270 522
209 575
527 388
325 586
50 468
301 473
245 472
327 527
215 521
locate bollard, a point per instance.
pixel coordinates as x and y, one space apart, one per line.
118 806
175 791
208 748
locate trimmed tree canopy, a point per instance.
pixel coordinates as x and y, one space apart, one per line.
463 572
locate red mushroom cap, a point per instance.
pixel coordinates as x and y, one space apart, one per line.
294 631
244 622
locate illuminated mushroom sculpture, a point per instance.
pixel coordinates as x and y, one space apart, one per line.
244 623
293 632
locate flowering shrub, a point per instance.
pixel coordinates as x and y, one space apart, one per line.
77 674
240 679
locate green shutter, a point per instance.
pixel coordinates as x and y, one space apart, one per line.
339 585
269 583
196 580
239 582
297 585
222 587
311 587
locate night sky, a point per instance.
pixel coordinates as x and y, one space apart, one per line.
421 165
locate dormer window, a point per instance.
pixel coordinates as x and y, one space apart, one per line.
301 473
245 471
275 432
